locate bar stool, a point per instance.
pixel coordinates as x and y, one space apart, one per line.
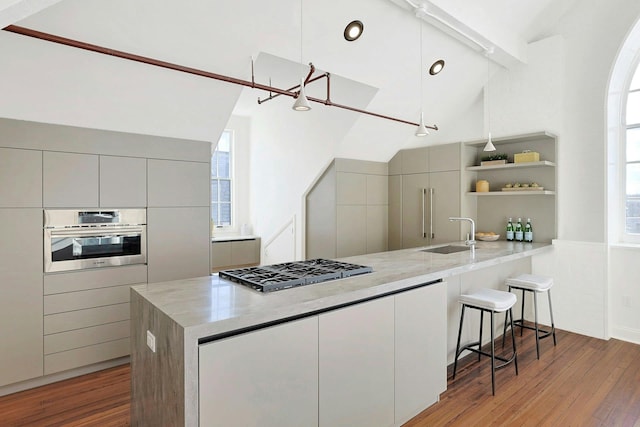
491 301
534 284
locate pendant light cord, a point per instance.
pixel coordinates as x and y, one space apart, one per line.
420 68
488 52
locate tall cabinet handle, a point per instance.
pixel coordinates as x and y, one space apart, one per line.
424 196
431 213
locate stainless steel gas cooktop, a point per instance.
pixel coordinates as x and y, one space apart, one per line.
291 274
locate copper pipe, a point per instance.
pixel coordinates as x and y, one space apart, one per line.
155 62
307 81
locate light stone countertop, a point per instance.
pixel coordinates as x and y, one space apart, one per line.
209 306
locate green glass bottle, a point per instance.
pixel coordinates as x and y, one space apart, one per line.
510 230
528 231
519 232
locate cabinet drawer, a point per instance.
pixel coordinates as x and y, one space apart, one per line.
85 356
245 252
93 279
71 301
79 319
70 340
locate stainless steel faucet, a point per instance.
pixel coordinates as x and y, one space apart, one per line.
471 239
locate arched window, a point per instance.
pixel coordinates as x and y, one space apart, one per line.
632 158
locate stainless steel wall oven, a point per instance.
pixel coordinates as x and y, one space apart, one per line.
90 238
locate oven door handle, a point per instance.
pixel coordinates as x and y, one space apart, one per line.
120 231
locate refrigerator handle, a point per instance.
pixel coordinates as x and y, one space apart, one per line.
431 213
424 196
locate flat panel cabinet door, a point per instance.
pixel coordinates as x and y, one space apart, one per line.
178 243
395 212
421 349
446 203
178 183
123 182
356 365
415 210
70 180
275 386
20 295
21 174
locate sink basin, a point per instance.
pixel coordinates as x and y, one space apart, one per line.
449 249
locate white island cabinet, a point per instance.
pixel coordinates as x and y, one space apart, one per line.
375 363
267 377
356 365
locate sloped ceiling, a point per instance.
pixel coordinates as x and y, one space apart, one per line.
222 36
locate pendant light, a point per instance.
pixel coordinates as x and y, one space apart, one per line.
421 130
301 103
489 145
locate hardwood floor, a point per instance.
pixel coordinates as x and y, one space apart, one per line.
581 382
97 399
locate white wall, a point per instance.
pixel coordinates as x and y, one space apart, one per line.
563 89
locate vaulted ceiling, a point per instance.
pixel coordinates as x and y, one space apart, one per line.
379 72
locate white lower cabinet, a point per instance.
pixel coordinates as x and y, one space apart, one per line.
268 377
356 365
376 363
420 349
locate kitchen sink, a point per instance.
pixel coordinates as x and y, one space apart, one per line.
449 249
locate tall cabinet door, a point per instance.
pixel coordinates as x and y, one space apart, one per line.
420 349
21 290
395 212
415 210
446 203
356 365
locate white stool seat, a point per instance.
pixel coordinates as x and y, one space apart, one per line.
531 281
489 299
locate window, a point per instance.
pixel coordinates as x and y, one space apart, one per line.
632 156
222 181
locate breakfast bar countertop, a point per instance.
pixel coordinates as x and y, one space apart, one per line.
209 306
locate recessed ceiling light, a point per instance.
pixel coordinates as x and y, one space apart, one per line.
436 67
353 30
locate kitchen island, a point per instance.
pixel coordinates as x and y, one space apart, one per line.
188 322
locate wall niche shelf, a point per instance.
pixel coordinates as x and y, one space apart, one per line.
512 193
494 208
540 164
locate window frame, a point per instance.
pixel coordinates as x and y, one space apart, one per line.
231 180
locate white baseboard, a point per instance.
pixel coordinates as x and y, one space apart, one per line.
626 334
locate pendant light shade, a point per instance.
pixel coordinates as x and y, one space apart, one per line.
489 145
302 103
422 130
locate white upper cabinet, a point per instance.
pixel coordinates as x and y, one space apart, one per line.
70 180
176 183
21 175
123 182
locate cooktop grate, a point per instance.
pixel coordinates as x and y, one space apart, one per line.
291 274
